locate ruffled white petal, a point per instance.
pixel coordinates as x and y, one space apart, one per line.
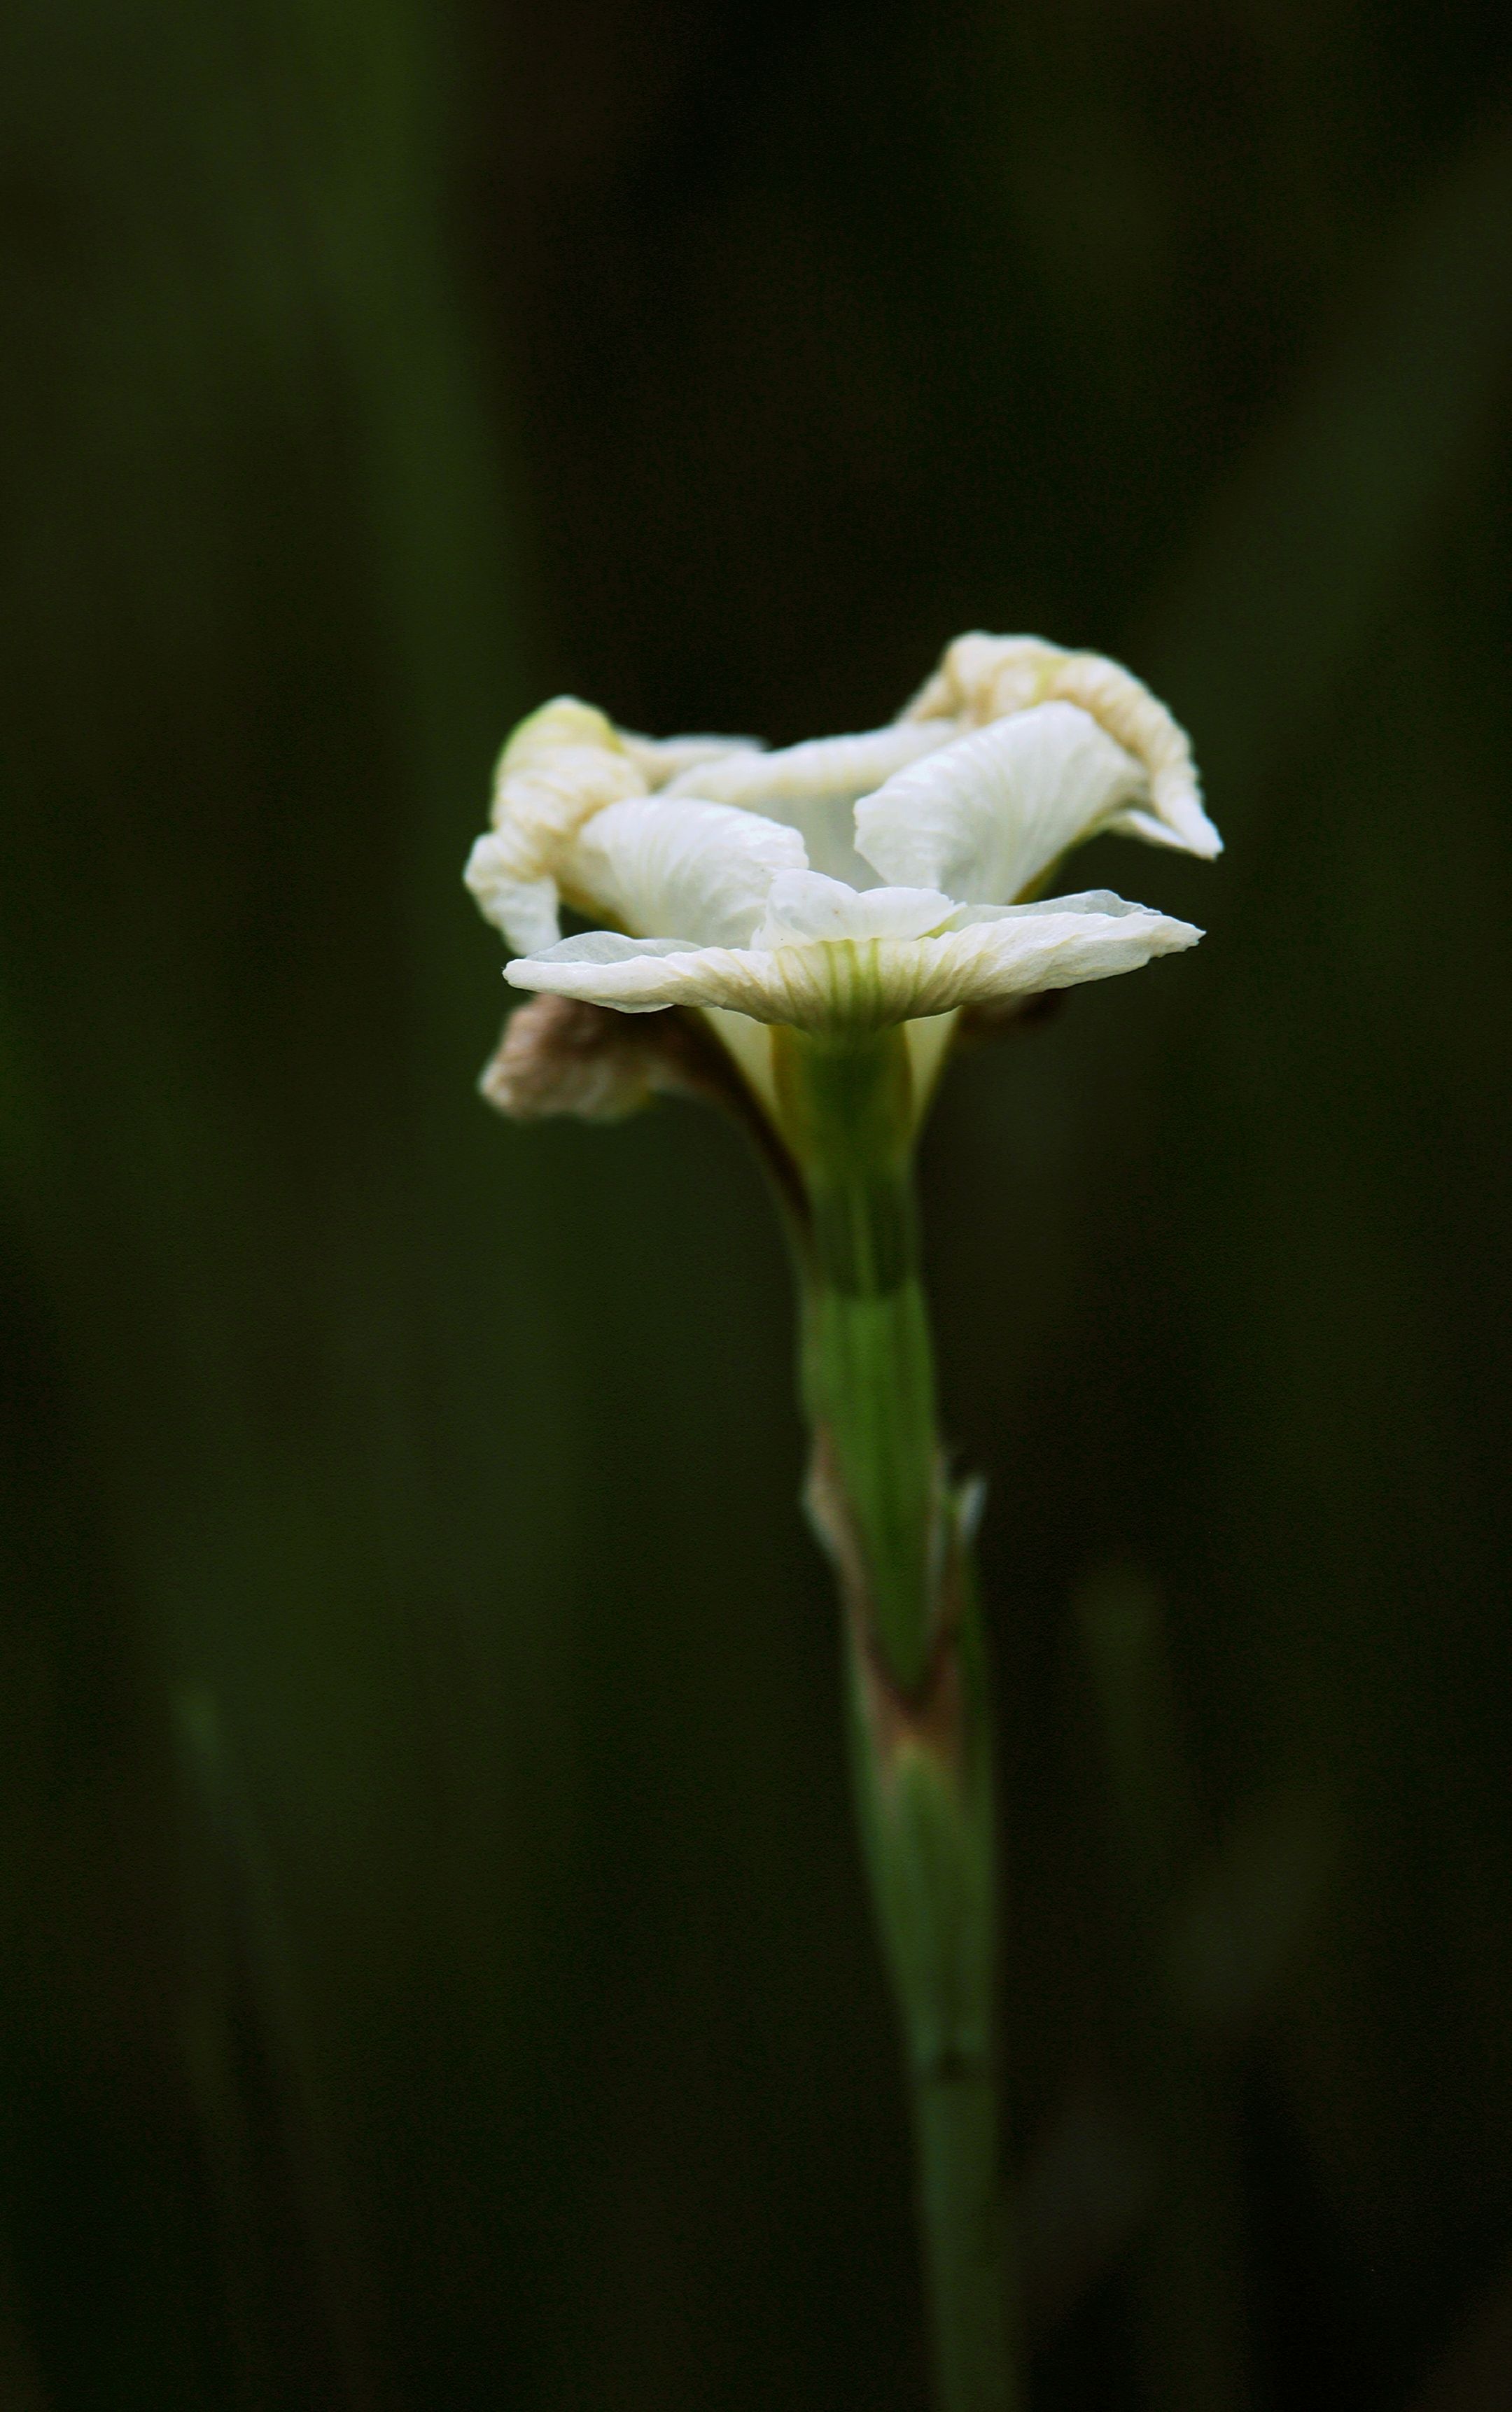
663 761
605 968
987 816
560 767
803 904
663 863
982 679
814 788
858 983
524 910
1126 709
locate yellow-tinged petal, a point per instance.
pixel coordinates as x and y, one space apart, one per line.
561 766
982 679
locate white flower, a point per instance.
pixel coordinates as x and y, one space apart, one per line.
849 882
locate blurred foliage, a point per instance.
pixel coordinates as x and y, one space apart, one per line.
436 1969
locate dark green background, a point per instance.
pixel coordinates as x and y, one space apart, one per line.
435 1974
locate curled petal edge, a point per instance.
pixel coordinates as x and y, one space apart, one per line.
982 679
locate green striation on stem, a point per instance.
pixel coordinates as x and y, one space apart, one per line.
919 1714
868 1376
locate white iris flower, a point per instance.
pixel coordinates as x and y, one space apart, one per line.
850 882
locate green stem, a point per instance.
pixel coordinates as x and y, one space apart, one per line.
962 2218
868 1366
920 1722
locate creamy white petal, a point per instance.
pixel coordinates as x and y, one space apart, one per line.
1102 901
524 910
988 814
864 983
666 864
814 788
605 968
1152 830
561 766
663 761
1126 709
803 904
981 679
